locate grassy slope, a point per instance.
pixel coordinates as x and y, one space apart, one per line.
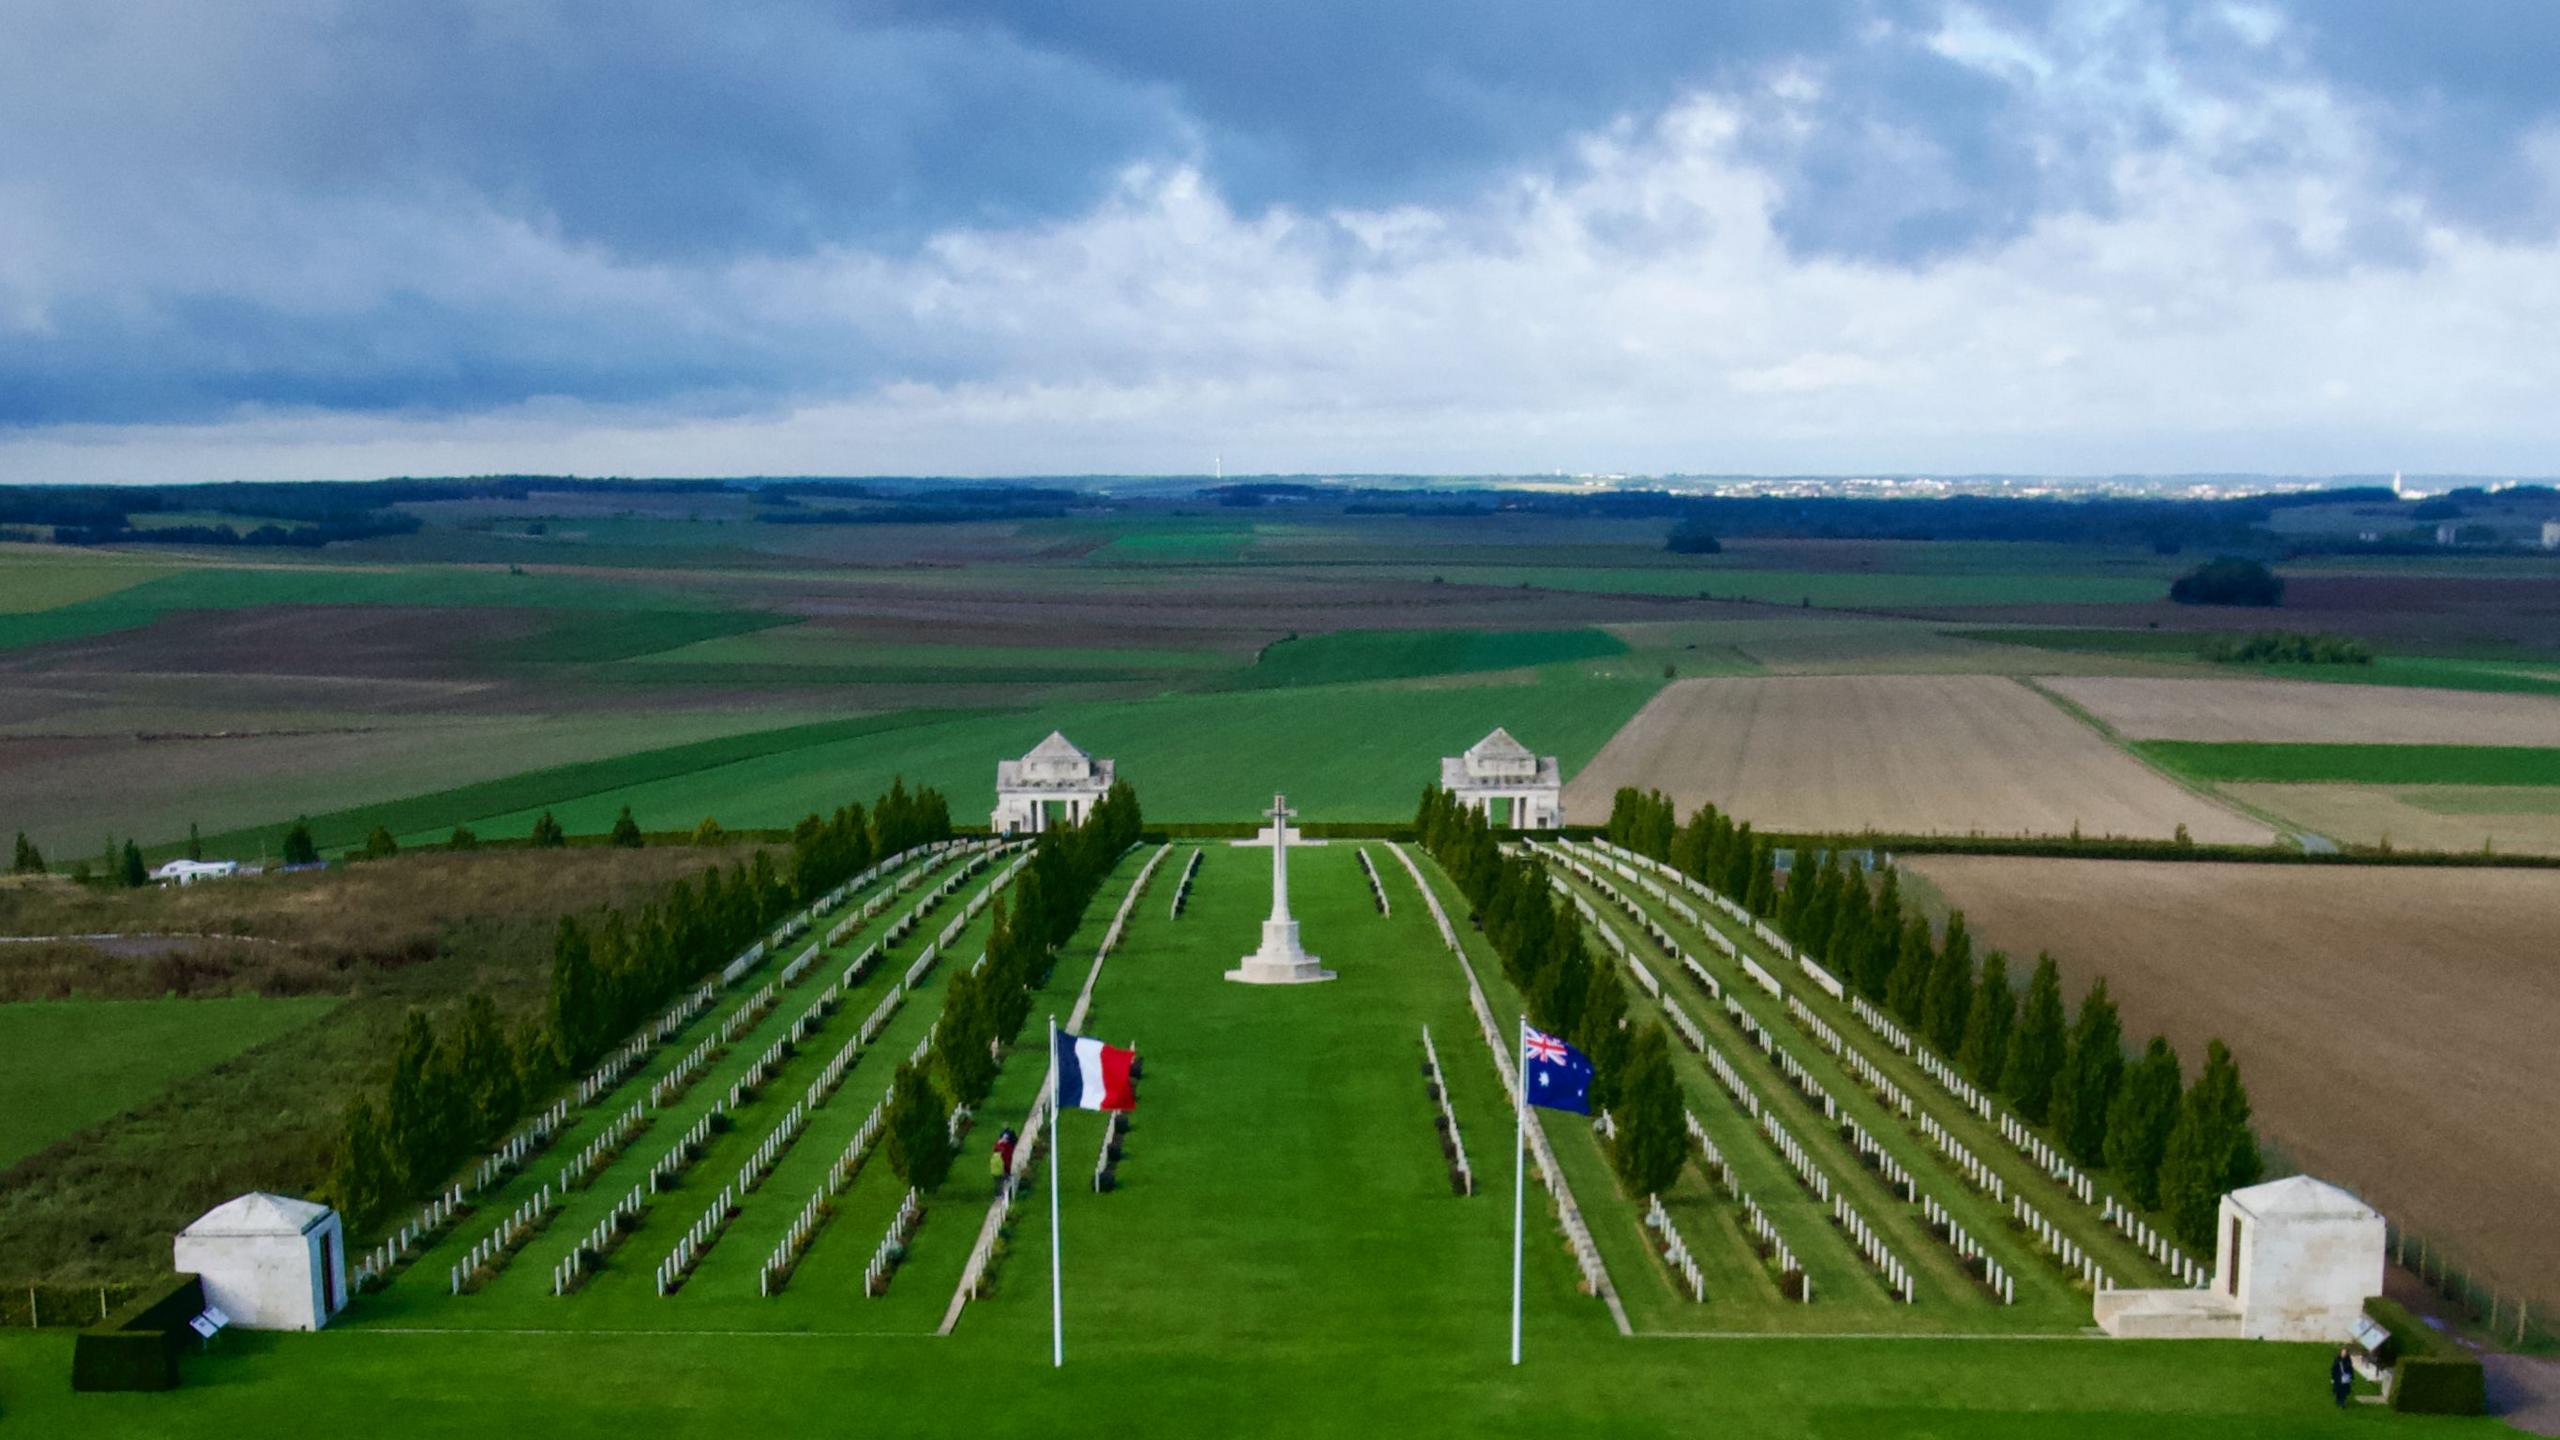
2218 760
1342 753
1283 1260
67 1064
433 815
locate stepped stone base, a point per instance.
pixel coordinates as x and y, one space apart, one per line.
1281 960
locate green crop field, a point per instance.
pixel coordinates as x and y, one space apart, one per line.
1349 655
241 588
2357 764
1349 752
1283 1256
67 1064
2433 672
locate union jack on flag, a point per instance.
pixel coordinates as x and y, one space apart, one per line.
1557 1076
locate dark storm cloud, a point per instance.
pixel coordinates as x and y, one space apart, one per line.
457 207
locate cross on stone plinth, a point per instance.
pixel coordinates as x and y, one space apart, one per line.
1282 960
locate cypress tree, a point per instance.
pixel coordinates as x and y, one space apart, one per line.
413 1122
1651 1141
129 867
2086 1088
1950 999
28 860
1760 896
575 996
1988 1026
2210 1150
2037 1046
919 1126
1908 991
626 831
489 1088
1602 1037
967 1037
547 834
2138 1125
195 842
360 1173
299 848
1879 947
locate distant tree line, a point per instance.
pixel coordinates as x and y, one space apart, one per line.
2173 1147
453 1091
2289 647
1566 990
2166 524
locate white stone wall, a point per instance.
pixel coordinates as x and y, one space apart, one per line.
2300 1277
268 1282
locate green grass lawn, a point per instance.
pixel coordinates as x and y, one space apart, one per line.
68 1064
2357 764
1283 1258
1353 655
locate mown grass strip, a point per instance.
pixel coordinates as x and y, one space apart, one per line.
2357 764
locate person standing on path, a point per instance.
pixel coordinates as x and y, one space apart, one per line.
1000 1164
2342 1377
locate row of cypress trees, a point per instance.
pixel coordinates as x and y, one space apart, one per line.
2174 1147
454 1091
985 1009
1567 990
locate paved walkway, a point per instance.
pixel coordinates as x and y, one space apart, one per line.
2524 1391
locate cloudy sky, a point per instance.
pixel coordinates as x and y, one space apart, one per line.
975 237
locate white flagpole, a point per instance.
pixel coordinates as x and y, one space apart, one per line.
1519 1178
1057 1295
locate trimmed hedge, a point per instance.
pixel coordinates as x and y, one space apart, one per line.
2434 1375
137 1347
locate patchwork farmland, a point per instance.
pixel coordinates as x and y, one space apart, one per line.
1857 1235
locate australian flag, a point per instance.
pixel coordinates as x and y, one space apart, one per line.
1559 1076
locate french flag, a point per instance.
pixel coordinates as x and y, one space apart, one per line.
1095 1076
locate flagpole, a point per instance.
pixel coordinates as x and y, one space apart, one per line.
1519 1176
1057 1295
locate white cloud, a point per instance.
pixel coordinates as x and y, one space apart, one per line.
1631 309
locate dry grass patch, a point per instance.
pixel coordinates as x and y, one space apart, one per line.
2394 1025
2508 819
1902 754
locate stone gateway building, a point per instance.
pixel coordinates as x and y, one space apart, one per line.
1055 783
270 1262
1511 785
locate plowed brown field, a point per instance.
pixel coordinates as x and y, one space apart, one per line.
1901 754
2394 1025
